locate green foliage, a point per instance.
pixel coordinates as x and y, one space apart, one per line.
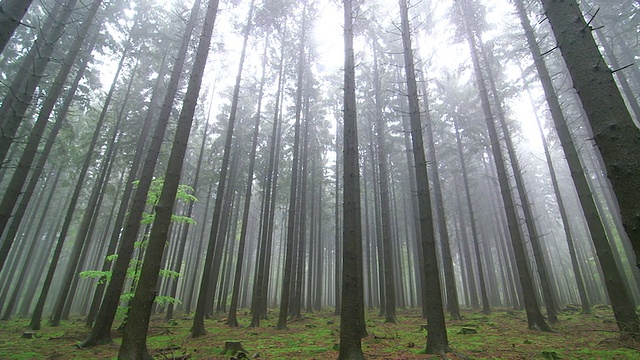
315 335
133 271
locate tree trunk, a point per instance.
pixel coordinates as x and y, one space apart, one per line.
437 342
11 13
535 319
534 237
486 308
447 260
23 86
101 331
615 134
293 194
82 240
24 270
12 192
350 320
126 195
184 231
134 340
258 301
215 242
37 314
623 308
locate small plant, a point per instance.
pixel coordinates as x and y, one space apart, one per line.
133 271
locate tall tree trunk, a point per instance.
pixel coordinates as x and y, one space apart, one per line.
12 192
212 261
385 205
621 302
235 295
584 300
101 331
437 342
24 270
126 194
258 300
615 134
447 260
350 320
12 230
293 194
11 13
535 319
82 240
37 313
337 283
486 308
184 230
544 272
22 88
134 340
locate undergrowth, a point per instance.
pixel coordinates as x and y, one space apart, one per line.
501 335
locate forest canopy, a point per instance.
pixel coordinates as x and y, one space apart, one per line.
281 158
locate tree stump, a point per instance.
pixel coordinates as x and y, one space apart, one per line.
468 330
423 327
28 334
232 348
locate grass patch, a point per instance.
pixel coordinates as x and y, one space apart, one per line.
501 335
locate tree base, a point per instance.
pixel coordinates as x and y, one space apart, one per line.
232 348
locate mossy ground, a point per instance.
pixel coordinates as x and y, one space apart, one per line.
501 335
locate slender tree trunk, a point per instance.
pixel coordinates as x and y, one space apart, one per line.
258 301
293 195
37 314
486 308
22 88
385 205
126 194
337 284
11 13
350 320
82 240
12 192
447 260
534 236
584 300
184 231
215 240
101 331
615 134
535 319
621 302
134 340
10 305
231 317
12 230
437 342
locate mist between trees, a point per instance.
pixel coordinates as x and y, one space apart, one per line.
202 157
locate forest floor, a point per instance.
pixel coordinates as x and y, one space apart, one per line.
501 335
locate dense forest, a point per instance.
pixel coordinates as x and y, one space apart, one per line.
247 164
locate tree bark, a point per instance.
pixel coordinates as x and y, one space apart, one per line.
615 134
350 320
293 194
101 331
37 313
134 340
437 342
11 13
535 319
214 247
23 86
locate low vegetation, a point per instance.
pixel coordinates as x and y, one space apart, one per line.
502 335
